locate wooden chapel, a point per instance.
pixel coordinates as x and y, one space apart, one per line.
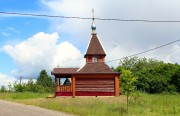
95 78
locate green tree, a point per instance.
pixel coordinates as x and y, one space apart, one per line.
10 88
3 89
30 86
135 64
128 80
44 82
19 87
157 79
153 76
176 79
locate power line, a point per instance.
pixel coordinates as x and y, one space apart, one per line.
87 18
40 15
177 50
135 55
146 51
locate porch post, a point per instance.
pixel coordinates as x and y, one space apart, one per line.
117 86
55 86
59 83
73 86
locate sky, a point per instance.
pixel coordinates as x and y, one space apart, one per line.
29 44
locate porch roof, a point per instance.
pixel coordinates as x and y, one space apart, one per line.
64 71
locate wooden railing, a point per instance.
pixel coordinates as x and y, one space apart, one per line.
63 88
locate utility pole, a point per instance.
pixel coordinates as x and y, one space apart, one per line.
20 79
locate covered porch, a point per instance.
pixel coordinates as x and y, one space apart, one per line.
63 85
64 81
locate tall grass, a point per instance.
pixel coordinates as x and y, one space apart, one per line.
146 104
158 104
22 95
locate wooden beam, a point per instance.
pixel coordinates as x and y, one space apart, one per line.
55 86
73 86
95 75
59 83
117 86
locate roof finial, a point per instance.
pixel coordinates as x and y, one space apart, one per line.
93 14
93 26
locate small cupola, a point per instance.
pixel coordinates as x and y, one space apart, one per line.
95 51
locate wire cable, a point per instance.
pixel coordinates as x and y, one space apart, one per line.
104 69
87 18
146 50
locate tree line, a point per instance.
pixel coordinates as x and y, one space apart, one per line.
43 84
142 74
149 75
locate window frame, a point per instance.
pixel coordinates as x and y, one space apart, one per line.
94 59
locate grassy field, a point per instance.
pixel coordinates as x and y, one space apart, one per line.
146 104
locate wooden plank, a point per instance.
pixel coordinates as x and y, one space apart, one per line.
85 76
94 93
116 86
87 89
94 81
73 86
95 86
89 79
95 90
63 93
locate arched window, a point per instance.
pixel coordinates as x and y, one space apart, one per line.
94 59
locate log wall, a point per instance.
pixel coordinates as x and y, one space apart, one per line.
94 85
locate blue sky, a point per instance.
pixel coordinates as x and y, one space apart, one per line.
30 44
15 29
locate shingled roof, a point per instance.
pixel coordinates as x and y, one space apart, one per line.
95 47
98 67
64 70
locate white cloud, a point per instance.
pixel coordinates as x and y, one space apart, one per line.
5 80
12 29
5 34
120 38
174 56
42 52
67 55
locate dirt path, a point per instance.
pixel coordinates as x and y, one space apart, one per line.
15 109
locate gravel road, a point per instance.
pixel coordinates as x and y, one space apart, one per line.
15 109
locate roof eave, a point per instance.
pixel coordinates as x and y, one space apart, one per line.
94 55
100 73
89 73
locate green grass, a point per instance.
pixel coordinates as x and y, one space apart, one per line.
24 95
146 104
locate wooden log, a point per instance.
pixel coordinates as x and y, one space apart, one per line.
73 86
116 86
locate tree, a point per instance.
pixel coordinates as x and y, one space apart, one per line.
158 78
128 80
44 81
30 86
176 79
3 89
10 88
153 76
135 64
19 87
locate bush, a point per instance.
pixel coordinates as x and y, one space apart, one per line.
3 89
